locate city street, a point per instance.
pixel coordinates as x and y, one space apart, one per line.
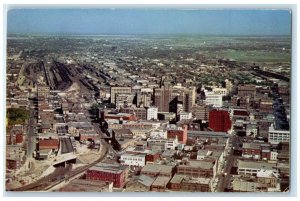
31 145
224 179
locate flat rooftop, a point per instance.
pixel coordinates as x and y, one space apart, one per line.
106 169
256 164
161 181
157 168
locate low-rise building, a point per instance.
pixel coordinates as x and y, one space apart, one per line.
194 168
140 184
185 115
180 132
171 144
52 144
186 183
251 167
14 156
133 159
108 172
154 170
160 184
122 134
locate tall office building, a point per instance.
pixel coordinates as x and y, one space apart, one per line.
189 99
201 112
163 95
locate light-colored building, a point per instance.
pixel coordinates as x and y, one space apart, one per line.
251 168
158 134
152 113
251 130
118 90
277 136
185 115
213 99
221 91
274 155
228 85
133 159
171 144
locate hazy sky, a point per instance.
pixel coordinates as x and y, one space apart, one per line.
149 21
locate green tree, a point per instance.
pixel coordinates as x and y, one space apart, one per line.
17 116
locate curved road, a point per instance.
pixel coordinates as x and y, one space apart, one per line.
60 175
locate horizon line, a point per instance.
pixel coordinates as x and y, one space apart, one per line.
138 34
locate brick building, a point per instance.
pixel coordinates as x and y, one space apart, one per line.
152 157
185 183
88 135
180 132
247 90
139 113
108 172
219 120
256 151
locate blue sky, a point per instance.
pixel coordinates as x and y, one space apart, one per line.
149 21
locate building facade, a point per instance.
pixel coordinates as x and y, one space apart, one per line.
118 90
152 113
219 120
108 172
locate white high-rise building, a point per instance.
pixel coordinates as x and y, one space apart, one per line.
152 113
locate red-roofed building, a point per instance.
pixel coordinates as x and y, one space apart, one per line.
48 144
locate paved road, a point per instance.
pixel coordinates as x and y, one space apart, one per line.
66 145
230 160
31 145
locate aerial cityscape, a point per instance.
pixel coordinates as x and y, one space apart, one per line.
103 100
